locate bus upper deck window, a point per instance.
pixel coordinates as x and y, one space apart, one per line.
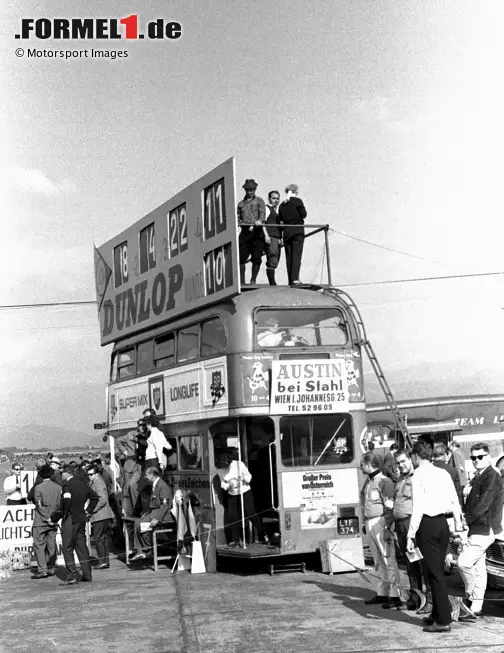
300 327
164 350
213 337
144 357
113 369
188 343
126 363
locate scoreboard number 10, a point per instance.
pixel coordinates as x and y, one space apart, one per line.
218 269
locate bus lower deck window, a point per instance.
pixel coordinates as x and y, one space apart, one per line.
320 440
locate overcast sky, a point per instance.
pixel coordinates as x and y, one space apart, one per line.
387 114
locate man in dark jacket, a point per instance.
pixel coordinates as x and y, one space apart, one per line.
292 212
38 479
73 527
483 515
47 496
272 236
439 455
250 213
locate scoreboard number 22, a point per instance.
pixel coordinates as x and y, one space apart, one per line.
177 231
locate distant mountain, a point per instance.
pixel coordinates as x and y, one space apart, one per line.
37 436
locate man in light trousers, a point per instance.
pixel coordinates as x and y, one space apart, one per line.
483 514
377 503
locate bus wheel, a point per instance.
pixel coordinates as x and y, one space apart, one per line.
271 570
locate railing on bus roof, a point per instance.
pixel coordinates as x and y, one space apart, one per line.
317 228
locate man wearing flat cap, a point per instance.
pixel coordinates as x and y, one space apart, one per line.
292 212
46 496
251 214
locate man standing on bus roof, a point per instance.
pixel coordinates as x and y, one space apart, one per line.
377 501
292 212
483 515
272 237
251 214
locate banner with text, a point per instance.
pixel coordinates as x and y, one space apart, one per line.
309 386
318 494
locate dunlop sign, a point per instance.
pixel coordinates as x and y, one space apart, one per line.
179 257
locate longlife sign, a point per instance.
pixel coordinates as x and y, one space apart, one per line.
179 257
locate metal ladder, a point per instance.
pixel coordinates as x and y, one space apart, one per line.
399 421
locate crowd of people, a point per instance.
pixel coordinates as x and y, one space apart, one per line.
414 503
68 495
266 228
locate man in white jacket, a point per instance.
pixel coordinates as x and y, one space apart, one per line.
12 486
156 442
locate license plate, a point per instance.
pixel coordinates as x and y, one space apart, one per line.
348 525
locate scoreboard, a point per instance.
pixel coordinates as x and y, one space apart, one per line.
179 257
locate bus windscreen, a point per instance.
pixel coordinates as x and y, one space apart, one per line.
310 327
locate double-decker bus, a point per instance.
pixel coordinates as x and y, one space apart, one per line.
273 372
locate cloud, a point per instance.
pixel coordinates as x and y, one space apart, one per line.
35 181
381 110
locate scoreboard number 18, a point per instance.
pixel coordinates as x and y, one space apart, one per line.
121 272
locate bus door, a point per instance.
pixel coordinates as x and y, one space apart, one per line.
258 434
319 481
253 438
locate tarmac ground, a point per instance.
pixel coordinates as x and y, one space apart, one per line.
134 610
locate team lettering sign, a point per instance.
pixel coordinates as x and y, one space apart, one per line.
179 257
308 387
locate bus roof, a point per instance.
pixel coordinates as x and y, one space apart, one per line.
250 298
437 401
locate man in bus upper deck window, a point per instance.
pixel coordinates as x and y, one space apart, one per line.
251 214
483 515
292 212
271 336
